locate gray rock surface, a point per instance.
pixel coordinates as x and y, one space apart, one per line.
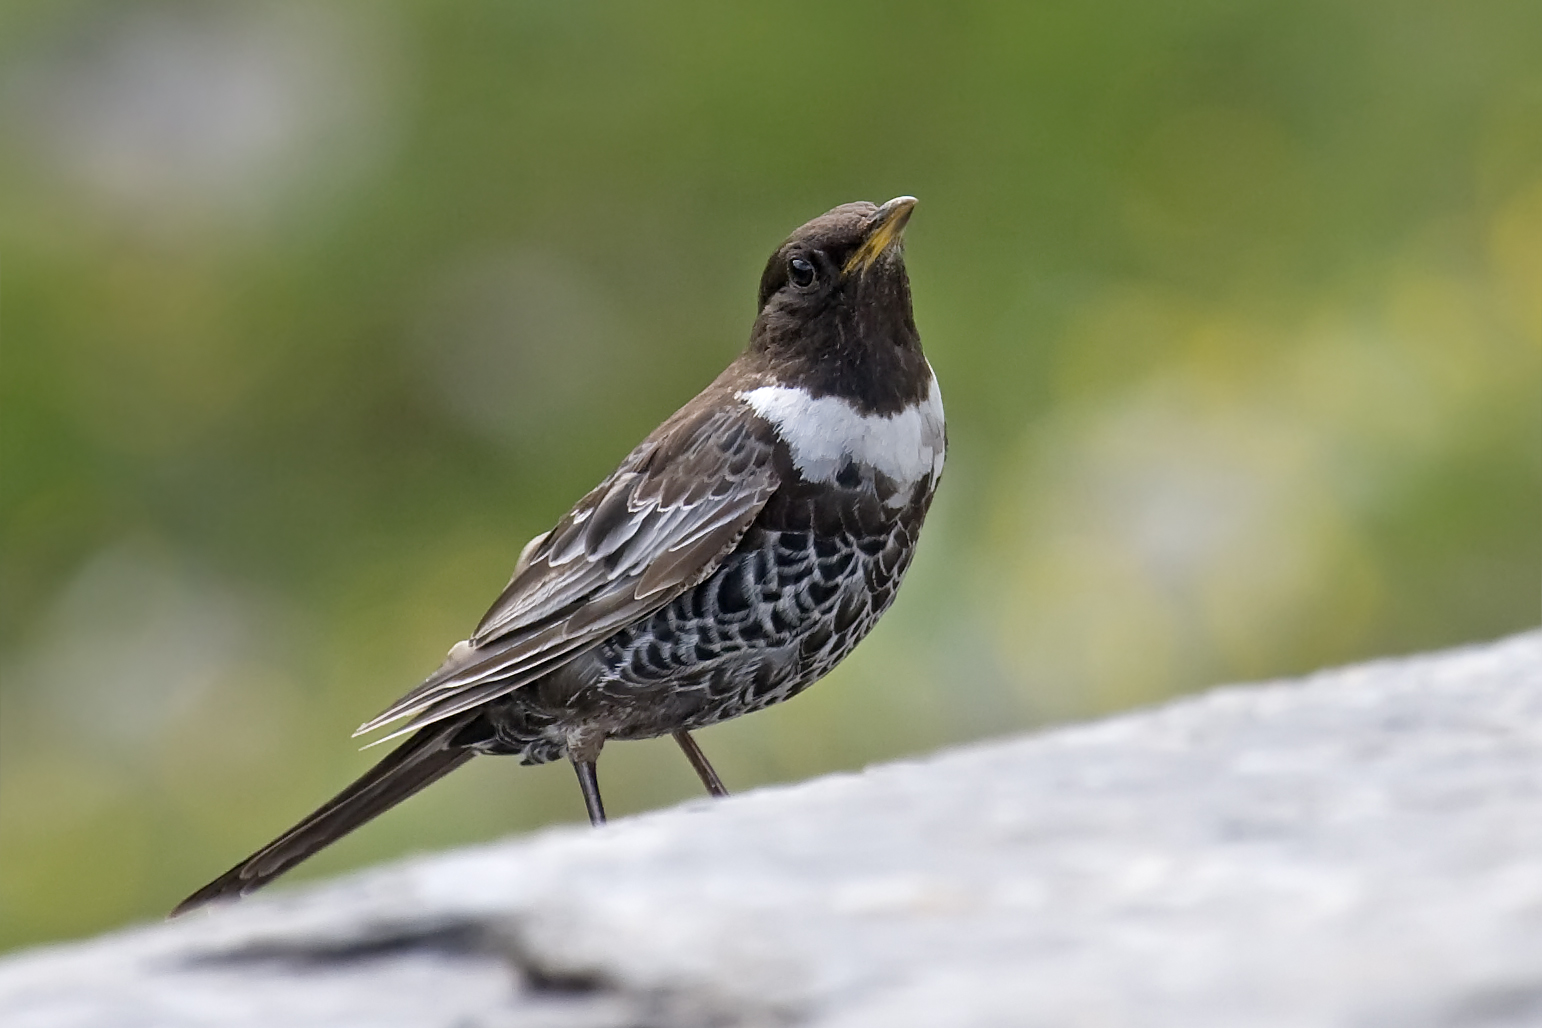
1360 848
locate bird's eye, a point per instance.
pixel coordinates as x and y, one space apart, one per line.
801 271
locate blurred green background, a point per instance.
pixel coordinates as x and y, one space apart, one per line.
313 313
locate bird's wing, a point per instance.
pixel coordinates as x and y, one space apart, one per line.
661 523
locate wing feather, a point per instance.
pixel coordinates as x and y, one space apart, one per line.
660 524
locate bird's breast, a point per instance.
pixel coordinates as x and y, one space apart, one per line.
827 435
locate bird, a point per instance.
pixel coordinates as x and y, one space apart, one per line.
732 559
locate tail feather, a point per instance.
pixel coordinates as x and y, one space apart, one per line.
424 758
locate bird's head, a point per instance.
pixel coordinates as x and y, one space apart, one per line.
835 296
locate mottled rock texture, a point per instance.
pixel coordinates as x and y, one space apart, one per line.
1359 848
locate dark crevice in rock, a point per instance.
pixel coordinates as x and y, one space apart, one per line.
449 939
539 977
651 1008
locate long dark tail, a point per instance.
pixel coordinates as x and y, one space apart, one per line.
424 758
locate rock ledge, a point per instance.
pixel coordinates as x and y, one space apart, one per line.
1360 848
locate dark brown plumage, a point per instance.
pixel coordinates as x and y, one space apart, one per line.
732 559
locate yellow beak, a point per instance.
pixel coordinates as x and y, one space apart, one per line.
888 225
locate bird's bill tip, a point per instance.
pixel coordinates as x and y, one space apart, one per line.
885 229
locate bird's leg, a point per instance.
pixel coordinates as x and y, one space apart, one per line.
698 761
590 784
